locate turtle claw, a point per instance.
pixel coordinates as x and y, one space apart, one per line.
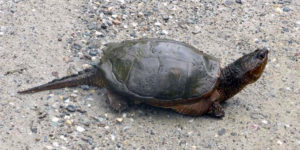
116 102
216 110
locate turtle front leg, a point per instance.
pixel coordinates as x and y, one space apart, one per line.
116 102
216 110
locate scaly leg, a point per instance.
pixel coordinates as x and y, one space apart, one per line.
116 102
216 110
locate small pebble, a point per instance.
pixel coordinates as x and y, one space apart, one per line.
69 122
81 110
93 52
119 120
49 147
55 74
166 18
287 126
140 14
233 134
55 144
108 22
86 122
278 9
97 33
285 29
279 142
114 16
126 128
94 58
76 46
85 87
124 115
66 59
134 24
157 23
113 137
80 129
264 121
221 132
55 119
238 1
164 32
228 2
86 66
106 127
63 138
90 98
254 126
116 22
60 97
45 139
17 1
71 108
73 95
109 9
104 25
286 9
92 26
90 141
133 34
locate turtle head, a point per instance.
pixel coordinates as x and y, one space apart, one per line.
242 72
253 65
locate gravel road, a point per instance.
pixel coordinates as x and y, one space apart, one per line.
41 40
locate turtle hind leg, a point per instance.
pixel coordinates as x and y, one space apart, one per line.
216 110
116 102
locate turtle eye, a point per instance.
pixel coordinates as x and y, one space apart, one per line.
261 56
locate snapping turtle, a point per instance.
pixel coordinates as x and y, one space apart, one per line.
166 73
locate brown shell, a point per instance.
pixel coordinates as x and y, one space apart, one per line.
159 71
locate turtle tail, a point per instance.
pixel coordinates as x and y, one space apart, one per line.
86 77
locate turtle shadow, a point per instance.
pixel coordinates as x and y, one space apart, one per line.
145 110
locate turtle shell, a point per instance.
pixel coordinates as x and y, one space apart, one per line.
158 69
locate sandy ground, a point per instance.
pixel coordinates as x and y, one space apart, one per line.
44 40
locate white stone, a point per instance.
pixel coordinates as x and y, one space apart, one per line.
55 119
264 121
164 32
113 137
55 144
80 129
157 23
278 9
134 24
279 142
114 16
119 120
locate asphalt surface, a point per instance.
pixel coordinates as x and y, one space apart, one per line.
44 40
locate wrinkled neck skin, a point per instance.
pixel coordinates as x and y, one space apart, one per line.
232 81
